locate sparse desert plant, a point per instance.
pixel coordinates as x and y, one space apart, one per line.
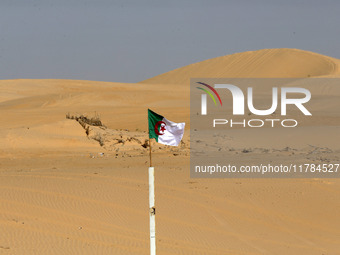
84 119
95 121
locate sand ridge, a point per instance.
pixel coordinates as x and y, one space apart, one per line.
267 63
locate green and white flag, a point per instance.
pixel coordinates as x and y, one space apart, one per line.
163 130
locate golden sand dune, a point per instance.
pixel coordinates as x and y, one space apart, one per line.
268 63
63 192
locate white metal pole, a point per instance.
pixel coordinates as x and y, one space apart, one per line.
152 211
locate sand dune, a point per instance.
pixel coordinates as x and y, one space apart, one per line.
268 63
64 192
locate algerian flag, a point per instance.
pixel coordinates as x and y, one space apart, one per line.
163 130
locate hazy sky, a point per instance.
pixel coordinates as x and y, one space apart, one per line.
129 41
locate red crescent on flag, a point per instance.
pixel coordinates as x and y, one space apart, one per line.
156 127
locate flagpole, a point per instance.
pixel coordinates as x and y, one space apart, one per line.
150 152
158 123
152 209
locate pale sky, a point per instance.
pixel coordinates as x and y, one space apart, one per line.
129 41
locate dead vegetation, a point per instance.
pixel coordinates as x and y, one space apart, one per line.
83 119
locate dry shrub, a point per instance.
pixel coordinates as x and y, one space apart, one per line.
83 119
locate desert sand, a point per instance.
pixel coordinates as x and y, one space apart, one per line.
73 189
